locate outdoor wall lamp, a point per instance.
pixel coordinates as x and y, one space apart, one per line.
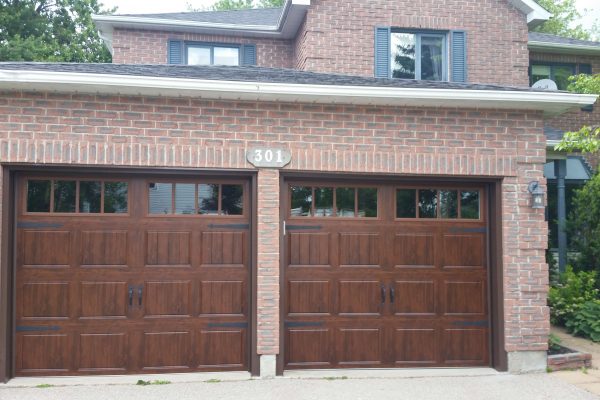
537 194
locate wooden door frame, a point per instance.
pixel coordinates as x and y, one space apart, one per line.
498 355
8 242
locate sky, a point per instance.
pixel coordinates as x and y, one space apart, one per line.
590 9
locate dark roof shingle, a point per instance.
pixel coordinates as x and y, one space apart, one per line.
248 74
554 39
256 16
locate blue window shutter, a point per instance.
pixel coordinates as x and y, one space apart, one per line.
175 55
248 54
458 51
382 52
585 69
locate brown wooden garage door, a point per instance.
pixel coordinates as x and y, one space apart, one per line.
385 276
131 275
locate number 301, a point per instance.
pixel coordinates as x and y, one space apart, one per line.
268 155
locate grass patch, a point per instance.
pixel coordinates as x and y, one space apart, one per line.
335 378
44 386
213 381
146 383
549 370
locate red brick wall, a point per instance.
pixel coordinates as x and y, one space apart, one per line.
575 119
80 129
338 35
150 47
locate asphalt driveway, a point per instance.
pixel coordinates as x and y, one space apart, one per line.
501 386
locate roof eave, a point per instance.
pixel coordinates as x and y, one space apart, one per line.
289 22
536 14
550 103
561 48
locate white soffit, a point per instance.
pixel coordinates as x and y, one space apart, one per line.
551 103
536 14
560 48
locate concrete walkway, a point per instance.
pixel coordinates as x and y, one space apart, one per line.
590 379
498 386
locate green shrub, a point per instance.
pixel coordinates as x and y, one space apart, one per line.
586 321
554 342
572 291
583 226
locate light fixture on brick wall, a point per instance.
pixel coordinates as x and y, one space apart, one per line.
537 194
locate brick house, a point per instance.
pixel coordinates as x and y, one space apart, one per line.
326 185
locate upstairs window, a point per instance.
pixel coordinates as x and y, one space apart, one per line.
558 72
421 56
212 55
200 53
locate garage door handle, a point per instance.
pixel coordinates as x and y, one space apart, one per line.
382 294
130 296
392 294
140 295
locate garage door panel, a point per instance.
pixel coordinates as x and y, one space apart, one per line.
46 249
103 352
167 299
167 350
168 249
464 297
104 248
464 251
101 300
309 297
309 250
415 347
414 250
44 353
359 298
308 348
465 346
222 298
220 249
222 349
45 300
359 346
360 250
415 297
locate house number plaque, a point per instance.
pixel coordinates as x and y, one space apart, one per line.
268 157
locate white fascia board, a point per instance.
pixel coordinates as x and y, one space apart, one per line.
563 48
289 21
551 103
536 14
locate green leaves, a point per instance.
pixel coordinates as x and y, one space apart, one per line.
562 22
586 322
222 5
572 291
44 30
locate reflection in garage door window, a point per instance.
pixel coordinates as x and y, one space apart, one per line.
232 200
185 198
323 202
301 201
406 203
469 204
65 193
427 203
90 196
367 202
115 197
449 203
60 196
160 198
38 196
208 199
345 202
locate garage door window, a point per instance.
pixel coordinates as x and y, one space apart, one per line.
427 203
195 199
76 196
343 202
